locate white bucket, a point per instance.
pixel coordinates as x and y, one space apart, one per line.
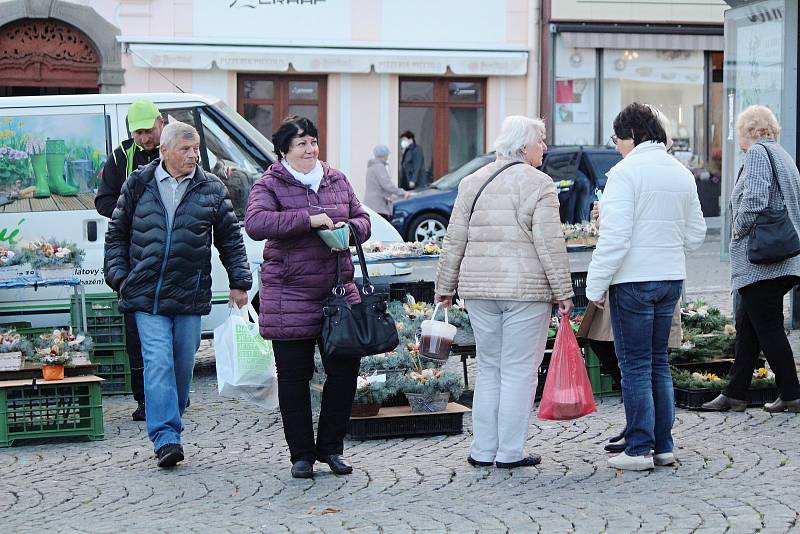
437 337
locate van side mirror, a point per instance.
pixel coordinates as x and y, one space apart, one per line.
91 231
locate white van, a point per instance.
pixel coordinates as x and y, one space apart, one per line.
87 128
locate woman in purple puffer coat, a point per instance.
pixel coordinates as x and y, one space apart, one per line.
295 197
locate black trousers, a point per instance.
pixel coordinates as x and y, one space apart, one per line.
133 346
759 327
295 364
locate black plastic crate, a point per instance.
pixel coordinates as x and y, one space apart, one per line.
579 288
422 291
693 399
410 425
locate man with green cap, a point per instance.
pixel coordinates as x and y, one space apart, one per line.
145 124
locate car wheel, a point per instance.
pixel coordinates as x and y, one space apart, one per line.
428 227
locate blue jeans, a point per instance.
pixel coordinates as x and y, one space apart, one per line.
169 343
641 317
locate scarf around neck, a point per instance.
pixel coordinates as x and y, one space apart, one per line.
311 180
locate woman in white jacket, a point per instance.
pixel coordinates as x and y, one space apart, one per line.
651 218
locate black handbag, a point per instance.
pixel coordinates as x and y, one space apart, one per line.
357 330
773 237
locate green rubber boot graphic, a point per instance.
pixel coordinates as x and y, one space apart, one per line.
39 163
56 155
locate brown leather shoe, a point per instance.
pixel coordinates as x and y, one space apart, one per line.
781 405
723 404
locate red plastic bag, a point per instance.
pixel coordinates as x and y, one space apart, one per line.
567 391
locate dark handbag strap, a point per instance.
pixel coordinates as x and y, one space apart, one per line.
774 172
486 183
366 286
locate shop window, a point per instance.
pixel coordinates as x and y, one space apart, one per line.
672 80
574 113
266 100
50 161
447 117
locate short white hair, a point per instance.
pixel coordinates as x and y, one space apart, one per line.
177 130
518 131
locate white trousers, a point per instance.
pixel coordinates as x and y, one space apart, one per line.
510 338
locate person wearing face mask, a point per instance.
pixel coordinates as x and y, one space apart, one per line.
297 196
381 190
505 253
412 163
650 218
145 124
158 258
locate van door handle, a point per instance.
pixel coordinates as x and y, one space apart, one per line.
91 231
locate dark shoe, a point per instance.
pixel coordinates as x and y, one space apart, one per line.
169 455
337 464
723 403
615 447
138 413
303 469
475 463
619 437
781 405
528 461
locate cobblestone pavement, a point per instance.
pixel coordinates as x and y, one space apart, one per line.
737 473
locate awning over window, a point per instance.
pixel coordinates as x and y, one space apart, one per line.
643 41
328 60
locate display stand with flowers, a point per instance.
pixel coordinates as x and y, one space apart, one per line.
701 366
53 259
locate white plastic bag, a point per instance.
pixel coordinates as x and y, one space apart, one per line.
245 361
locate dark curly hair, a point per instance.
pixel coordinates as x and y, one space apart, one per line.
292 127
638 122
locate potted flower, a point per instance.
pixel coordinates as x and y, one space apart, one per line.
74 342
54 259
53 360
13 348
371 391
429 390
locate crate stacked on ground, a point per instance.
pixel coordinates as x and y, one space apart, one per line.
105 325
69 407
602 384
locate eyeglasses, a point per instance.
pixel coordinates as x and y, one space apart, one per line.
614 139
314 206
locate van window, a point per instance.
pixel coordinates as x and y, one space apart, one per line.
235 167
223 156
51 162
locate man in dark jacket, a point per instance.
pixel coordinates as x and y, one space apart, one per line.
158 257
412 163
145 124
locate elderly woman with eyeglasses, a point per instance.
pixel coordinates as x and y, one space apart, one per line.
297 196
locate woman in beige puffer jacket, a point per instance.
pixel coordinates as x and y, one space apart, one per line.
507 258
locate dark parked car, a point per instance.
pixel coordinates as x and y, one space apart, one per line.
577 171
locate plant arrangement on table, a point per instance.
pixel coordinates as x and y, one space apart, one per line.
708 340
53 360
14 348
429 388
371 391
52 258
10 263
581 234
74 342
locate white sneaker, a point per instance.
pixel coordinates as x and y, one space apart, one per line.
632 463
665 458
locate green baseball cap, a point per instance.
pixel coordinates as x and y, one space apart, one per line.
142 115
